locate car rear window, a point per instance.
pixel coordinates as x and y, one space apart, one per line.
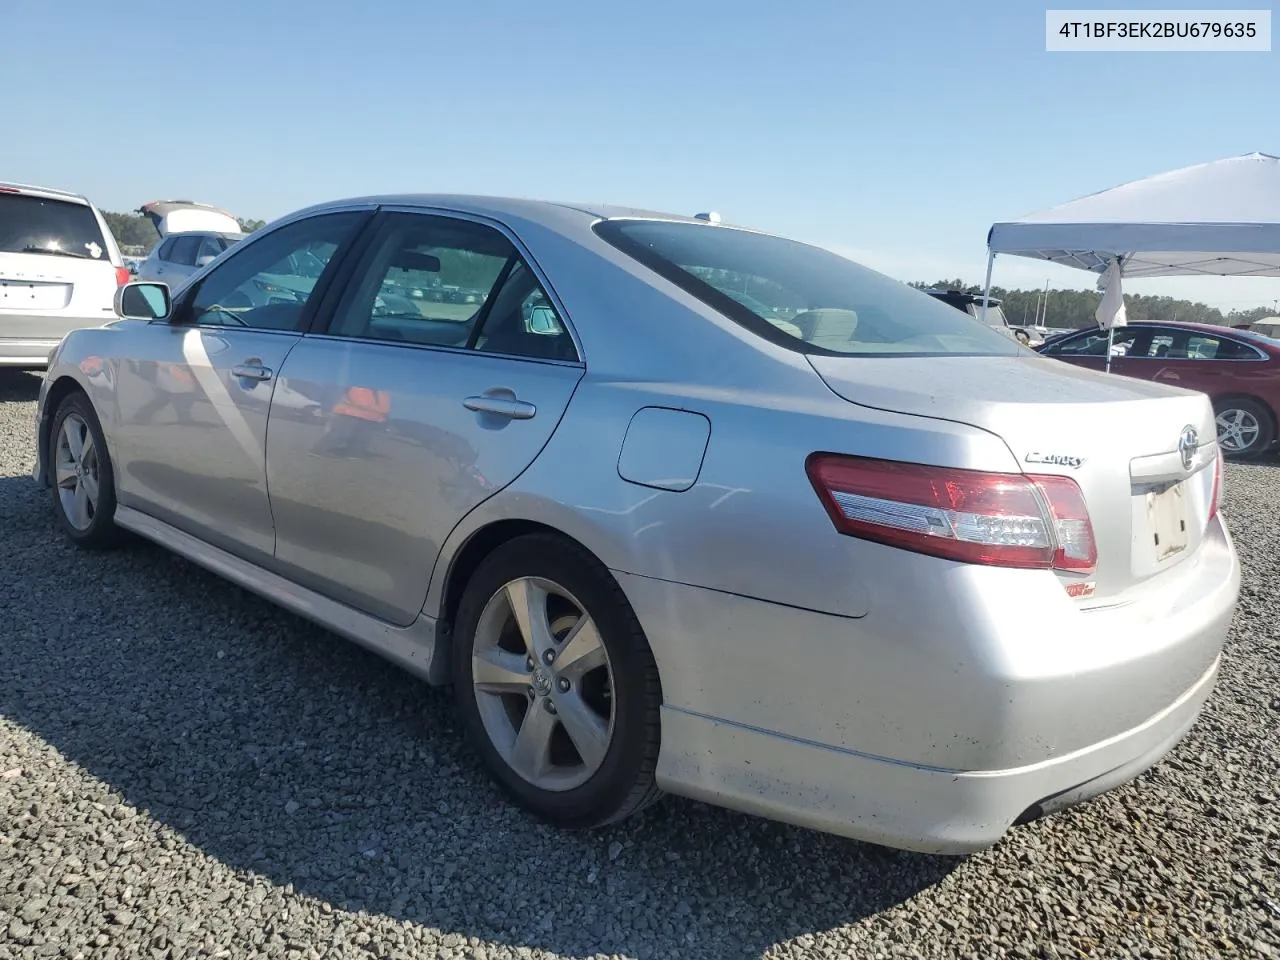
41 225
800 296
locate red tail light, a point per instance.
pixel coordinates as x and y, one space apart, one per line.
1215 498
122 276
997 519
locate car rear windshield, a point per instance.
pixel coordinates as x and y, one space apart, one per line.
802 297
31 224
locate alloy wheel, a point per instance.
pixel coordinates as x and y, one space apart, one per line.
543 684
1238 430
75 467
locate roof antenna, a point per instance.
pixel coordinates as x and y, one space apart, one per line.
711 217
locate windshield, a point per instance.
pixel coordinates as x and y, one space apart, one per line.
41 225
802 297
995 316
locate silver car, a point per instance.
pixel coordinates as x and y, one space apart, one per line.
674 506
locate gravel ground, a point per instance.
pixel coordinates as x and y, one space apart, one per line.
187 772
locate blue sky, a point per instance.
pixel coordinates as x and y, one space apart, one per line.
894 132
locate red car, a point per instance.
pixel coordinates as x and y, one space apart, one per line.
1239 370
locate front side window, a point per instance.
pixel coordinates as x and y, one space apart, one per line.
437 281
803 297
267 284
55 228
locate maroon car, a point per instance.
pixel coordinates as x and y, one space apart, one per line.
1239 370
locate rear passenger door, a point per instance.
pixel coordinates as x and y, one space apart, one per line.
442 373
1189 358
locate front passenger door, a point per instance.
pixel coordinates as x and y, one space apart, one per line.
194 392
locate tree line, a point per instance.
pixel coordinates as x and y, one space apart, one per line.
1074 309
136 235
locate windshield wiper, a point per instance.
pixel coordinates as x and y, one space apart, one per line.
55 252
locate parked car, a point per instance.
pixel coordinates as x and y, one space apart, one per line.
192 235
59 270
179 255
875 569
971 303
1238 369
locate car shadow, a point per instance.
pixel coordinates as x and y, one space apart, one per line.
280 749
19 386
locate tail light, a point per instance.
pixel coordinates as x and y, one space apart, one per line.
122 276
1215 498
996 519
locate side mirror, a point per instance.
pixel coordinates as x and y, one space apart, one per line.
143 301
543 320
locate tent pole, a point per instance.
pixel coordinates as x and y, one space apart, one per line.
1111 339
986 287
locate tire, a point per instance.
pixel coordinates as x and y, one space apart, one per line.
1246 428
610 689
1023 337
87 519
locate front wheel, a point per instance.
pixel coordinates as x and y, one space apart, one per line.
556 684
84 492
1245 428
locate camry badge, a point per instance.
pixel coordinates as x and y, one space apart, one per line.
1188 443
1056 459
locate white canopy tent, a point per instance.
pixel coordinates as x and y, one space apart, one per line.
1212 219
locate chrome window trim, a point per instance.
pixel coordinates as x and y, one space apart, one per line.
439 348
1259 354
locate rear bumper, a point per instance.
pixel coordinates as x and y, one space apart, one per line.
27 353
899 804
966 699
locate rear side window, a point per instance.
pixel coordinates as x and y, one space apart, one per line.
802 297
184 251
51 227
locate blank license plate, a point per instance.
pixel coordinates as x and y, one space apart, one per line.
16 294
1167 521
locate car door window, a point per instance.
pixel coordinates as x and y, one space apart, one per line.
183 251
444 282
210 247
267 284
166 249
1093 343
522 321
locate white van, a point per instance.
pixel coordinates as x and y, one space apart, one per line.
59 270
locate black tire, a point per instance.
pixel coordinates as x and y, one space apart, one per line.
101 532
1248 411
1023 337
623 784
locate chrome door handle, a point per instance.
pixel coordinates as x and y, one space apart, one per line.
501 406
253 370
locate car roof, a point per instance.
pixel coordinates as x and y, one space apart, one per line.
546 212
49 193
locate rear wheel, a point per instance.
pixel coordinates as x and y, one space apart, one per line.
84 491
556 684
1245 428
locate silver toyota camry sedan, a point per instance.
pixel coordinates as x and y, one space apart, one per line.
672 506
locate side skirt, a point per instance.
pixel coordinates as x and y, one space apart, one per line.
413 647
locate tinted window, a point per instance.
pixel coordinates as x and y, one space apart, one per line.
267 284
53 227
184 250
165 250
209 247
1093 343
1173 344
522 321
800 296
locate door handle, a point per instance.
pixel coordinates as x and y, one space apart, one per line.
251 370
501 406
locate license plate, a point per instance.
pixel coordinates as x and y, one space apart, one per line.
1167 521
17 294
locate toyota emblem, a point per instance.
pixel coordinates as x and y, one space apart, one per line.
1188 443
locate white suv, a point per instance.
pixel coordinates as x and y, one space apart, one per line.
59 270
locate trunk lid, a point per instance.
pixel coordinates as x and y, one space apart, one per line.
185 216
1117 437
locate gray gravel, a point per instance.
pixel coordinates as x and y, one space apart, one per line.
187 772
